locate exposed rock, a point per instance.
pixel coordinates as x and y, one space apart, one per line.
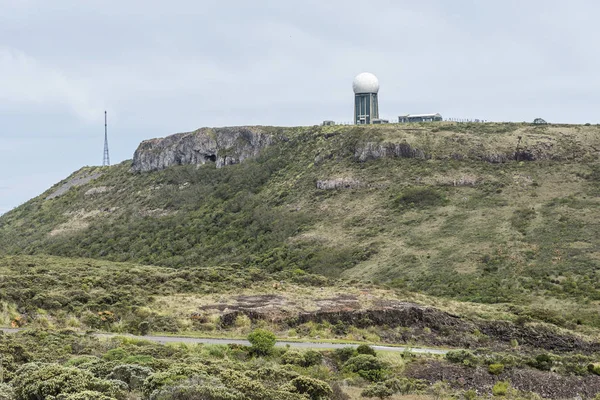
340 183
78 180
373 151
223 146
547 384
97 190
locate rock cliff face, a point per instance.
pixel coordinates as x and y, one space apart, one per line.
223 146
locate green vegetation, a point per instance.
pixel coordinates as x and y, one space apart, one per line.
457 221
262 341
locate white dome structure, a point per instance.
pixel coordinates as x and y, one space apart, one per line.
365 83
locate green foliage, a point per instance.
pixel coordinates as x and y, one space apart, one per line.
542 362
312 357
367 366
496 369
366 349
379 390
344 354
6 392
314 388
419 197
133 375
306 359
594 369
470 394
501 388
262 341
35 381
404 385
463 357
85 395
292 357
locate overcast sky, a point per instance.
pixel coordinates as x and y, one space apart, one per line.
161 67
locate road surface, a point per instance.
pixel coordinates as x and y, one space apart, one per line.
300 345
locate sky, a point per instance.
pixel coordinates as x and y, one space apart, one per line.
163 67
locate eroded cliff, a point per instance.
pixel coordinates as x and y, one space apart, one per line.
223 146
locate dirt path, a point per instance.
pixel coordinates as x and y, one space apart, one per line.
299 345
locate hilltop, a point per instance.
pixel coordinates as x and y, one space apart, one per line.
491 213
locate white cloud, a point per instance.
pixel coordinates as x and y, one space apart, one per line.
25 80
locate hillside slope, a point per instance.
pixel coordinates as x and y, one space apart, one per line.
479 212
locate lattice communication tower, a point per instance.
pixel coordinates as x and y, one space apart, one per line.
106 160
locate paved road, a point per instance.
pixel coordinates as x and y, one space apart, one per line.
303 345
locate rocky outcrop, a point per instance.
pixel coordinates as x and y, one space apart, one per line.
78 180
339 183
222 146
373 151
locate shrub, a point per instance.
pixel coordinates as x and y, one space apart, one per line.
198 389
6 392
463 357
500 388
470 394
292 358
594 369
378 390
406 385
86 395
367 366
316 389
542 362
419 198
312 357
262 341
366 349
175 374
496 369
40 381
115 354
344 354
133 375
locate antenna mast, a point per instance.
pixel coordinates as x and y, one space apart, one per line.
106 160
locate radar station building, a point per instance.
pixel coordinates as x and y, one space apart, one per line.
403 119
366 105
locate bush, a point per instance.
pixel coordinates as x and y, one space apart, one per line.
312 357
344 354
87 395
133 375
378 390
366 349
367 366
463 357
292 358
196 389
500 388
314 388
405 385
6 392
40 381
419 198
496 369
470 394
543 362
115 354
594 369
262 341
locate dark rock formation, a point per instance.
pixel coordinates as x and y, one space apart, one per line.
223 146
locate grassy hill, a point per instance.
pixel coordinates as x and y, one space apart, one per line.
488 213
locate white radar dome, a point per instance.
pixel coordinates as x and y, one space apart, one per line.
365 83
